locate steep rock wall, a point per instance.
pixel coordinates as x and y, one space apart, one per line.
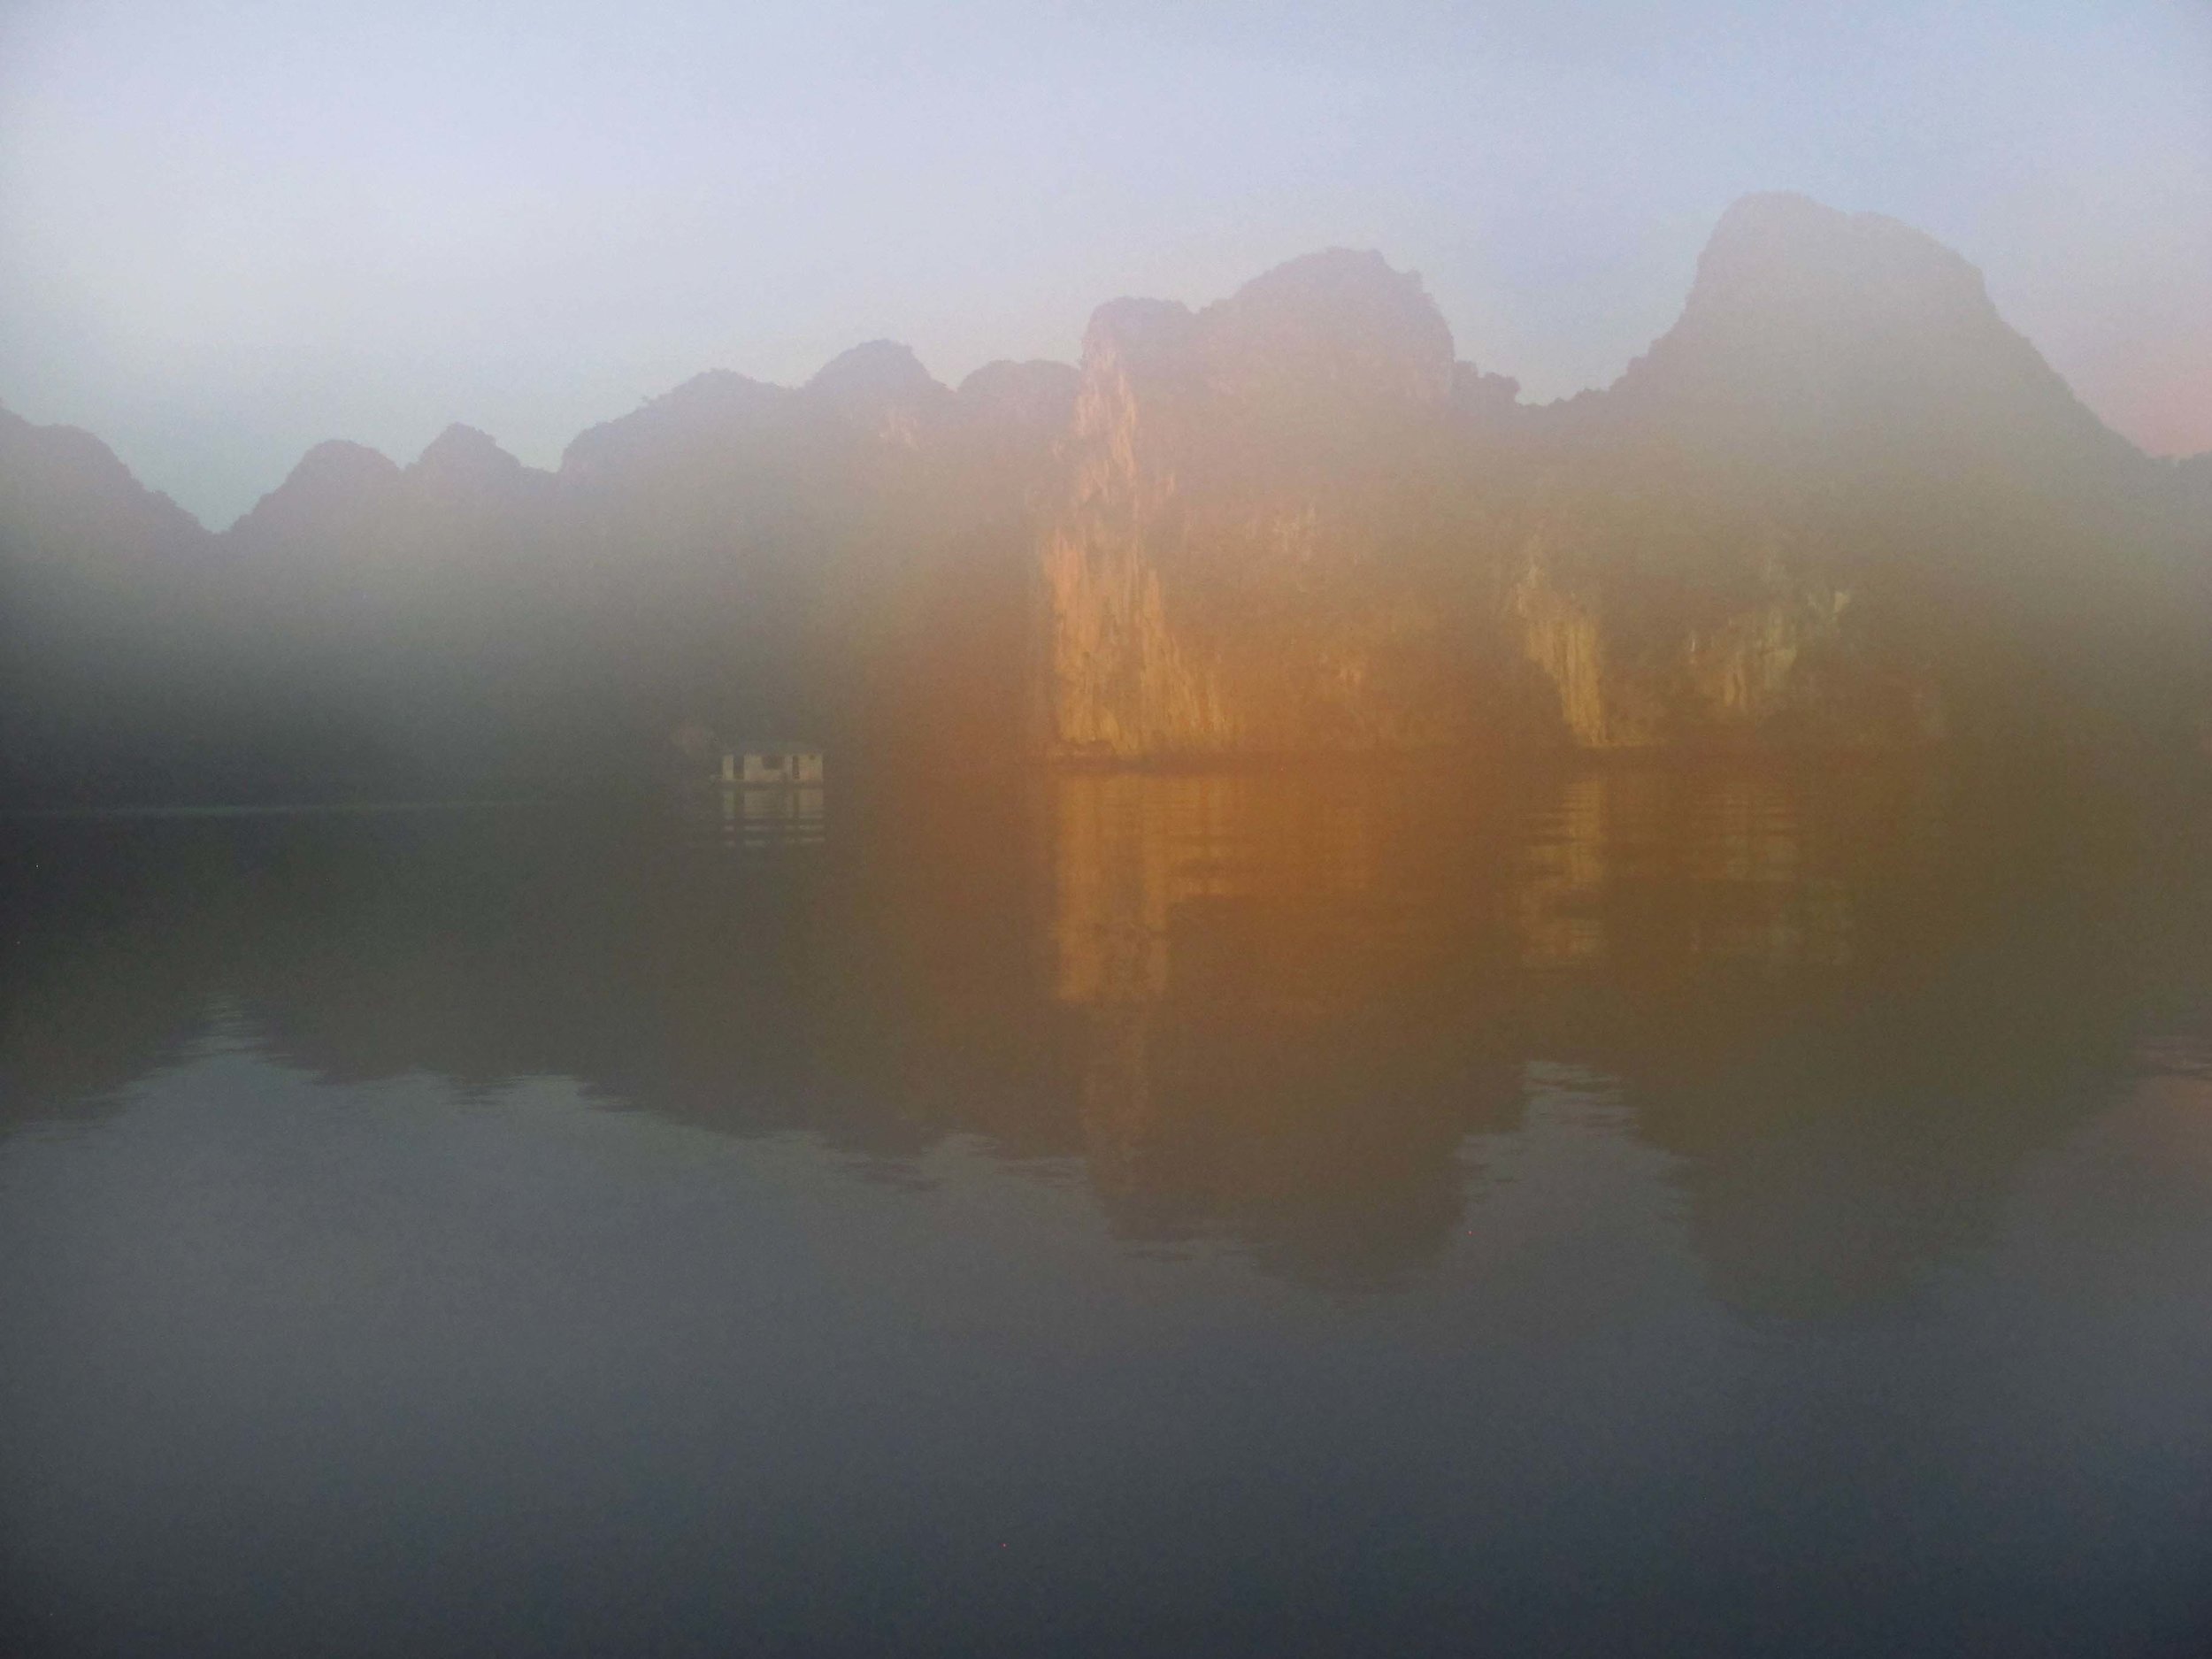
1228 565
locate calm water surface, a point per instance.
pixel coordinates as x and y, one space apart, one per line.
1697 1212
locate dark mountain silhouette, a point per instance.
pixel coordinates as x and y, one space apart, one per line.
1838 503
103 614
1806 326
1842 498
64 493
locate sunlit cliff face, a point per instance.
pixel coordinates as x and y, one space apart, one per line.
1300 998
1840 506
1838 503
1228 565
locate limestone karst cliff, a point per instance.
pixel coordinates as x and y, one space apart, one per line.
1290 522
1841 501
1240 552
1839 504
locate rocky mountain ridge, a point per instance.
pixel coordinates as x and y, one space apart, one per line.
1839 503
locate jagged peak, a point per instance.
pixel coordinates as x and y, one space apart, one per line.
703 406
873 376
1331 278
714 386
335 471
342 458
1778 250
1806 326
711 391
464 449
83 451
1342 320
72 462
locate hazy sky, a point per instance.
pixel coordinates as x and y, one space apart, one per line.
230 228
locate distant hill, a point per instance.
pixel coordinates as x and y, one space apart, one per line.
1839 504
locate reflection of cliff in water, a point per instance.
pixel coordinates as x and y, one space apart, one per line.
1272 974
1293 1012
1850 1004
751 819
1847 1121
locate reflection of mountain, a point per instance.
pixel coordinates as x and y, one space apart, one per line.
1255 1006
1839 504
1741 854
1271 1038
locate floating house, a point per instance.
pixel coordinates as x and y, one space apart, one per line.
771 763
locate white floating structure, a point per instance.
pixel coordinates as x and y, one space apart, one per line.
766 763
